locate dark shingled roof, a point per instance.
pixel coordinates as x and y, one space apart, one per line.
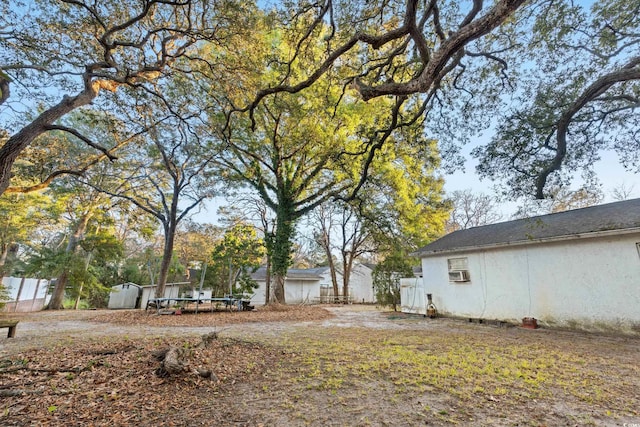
293 273
623 215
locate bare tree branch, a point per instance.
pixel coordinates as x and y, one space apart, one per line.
83 138
452 44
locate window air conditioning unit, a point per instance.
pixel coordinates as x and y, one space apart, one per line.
459 276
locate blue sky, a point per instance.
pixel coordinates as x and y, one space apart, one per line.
609 171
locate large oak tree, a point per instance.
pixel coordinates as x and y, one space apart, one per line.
577 94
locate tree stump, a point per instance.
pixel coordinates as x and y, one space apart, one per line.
172 361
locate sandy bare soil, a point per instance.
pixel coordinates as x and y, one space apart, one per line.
48 327
338 365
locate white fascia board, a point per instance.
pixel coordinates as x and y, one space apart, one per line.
595 234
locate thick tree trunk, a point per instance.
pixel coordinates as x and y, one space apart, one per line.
326 245
334 277
282 247
170 226
278 288
57 298
267 283
167 254
347 266
345 285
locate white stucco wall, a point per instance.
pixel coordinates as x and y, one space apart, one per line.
295 291
591 283
301 291
361 284
259 294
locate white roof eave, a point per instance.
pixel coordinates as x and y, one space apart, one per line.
472 248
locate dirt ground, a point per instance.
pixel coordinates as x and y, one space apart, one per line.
311 366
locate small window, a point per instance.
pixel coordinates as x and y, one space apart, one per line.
458 270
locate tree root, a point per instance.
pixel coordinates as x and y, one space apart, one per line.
75 370
171 361
20 392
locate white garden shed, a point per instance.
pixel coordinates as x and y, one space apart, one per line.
126 295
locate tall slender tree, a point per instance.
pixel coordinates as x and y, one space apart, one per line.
324 222
401 205
85 209
170 178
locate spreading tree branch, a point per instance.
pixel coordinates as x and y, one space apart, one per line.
630 71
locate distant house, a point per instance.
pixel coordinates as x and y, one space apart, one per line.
313 285
579 268
361 284
302 286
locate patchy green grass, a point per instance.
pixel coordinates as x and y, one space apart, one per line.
402 371
473 371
